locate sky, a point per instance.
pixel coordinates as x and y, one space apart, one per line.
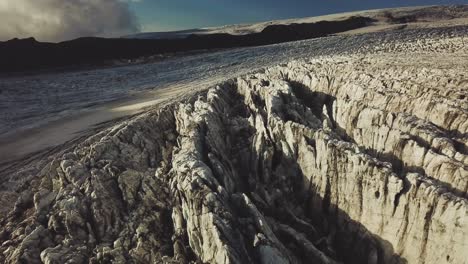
167 15
58 20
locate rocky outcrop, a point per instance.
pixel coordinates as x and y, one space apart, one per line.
351 159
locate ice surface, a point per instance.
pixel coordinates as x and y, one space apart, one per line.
32 101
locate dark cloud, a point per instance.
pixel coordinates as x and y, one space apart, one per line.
57 20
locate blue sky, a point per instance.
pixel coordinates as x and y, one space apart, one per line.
165 15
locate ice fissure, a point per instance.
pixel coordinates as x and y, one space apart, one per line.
331 160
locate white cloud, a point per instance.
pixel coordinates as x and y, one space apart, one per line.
57 20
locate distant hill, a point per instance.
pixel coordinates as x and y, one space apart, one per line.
29 54
20 55
421 14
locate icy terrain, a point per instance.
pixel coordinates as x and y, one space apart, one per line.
33 100
346 149
28 101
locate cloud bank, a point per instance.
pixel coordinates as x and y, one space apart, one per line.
58 20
